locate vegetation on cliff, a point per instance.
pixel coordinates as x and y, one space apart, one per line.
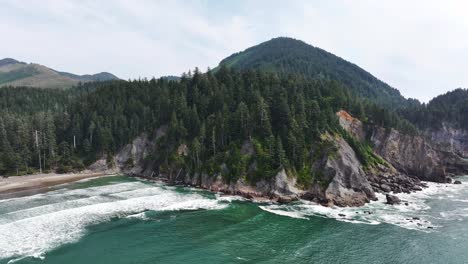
213 114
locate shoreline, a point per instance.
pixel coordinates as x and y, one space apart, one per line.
16 186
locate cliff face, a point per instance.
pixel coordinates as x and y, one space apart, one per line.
347 181
412 155
343 182
339 177
417 156
450 139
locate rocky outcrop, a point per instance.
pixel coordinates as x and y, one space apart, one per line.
411 155
387 179
347 181
281 188
351 124
131 159
450 139
416 155
392 199
338 175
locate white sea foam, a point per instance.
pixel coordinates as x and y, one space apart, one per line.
32 231
276 209
229 198
418 214
141 216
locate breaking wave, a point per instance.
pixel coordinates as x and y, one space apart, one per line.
31 226
418 214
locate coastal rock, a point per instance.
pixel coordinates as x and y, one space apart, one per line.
131 158
457 182
414 155
99 165
392 199
450 139
339 180
348 184
385 188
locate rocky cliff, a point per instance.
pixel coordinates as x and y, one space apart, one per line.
343 181
340 179
450 139
338 176
418 156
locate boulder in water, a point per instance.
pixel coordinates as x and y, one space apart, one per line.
392 199
457 182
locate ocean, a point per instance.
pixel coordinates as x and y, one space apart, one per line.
126 220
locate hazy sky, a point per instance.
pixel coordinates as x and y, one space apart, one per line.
418 47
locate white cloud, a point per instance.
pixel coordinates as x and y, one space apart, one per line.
419 47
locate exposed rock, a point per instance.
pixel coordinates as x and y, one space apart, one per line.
99 165
340 181
457 182
348 182
351 124
131 158
450 139
448 180
385 188
392 199
287 199
414 155
342 215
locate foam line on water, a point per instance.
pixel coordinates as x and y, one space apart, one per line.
417 215
34 231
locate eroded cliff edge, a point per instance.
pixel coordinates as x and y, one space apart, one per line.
336 176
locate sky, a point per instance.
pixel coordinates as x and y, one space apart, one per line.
418 47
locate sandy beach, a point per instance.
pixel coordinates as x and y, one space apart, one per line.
30 184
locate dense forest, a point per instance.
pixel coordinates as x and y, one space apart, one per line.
213 113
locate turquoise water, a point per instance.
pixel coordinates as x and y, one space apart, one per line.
122 220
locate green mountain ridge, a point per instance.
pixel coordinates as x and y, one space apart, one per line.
16 73
290 56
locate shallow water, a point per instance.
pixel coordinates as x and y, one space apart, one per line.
123 220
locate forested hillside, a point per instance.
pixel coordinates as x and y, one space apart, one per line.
450 108
212 113
290 56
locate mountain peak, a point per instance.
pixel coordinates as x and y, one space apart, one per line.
7 61
16 73
285 55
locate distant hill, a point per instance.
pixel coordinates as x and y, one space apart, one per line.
16 73
291 56
450 108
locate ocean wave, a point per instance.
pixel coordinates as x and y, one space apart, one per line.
417 214
33 231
